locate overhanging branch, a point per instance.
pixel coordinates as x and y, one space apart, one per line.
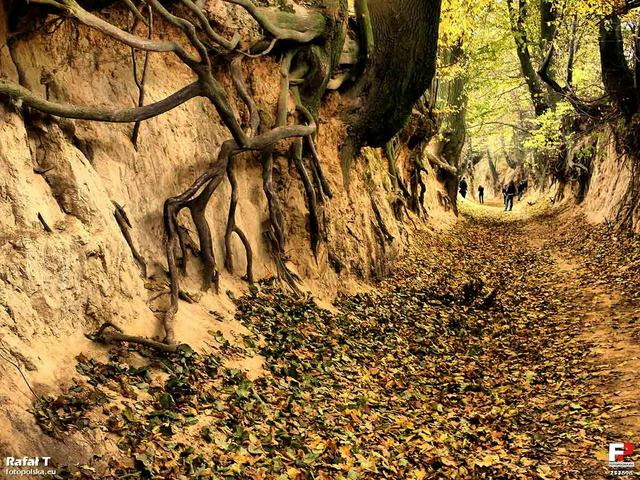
590 109
19 94
301 27
434 160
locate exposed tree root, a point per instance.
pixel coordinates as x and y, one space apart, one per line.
398 208
44 223
235 68
186 243
24 377
198 208
206 26
125 225
276 218
262 53
418 188
316 164
206 184
380 221
317 168
286 276
115 335
299 27
140 82
394 175
233 228
440 163
627 215
302 26
312 205
136 13
275 237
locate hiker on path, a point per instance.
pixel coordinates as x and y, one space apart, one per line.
522 186
504 196
463 188
481 194
510 193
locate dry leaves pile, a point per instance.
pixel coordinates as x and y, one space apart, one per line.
434 375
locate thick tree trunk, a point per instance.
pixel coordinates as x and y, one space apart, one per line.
453 127
448 144
548 27
616 75
398 69
518 16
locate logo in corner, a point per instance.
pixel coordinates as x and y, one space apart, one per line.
619 453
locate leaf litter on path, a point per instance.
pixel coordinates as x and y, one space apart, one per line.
466 363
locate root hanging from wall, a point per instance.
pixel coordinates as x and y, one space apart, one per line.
125 225
232 228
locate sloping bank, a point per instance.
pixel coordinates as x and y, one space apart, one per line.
65 265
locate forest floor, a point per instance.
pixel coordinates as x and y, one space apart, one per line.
506 348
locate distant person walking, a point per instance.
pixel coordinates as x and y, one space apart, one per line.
510 193
463 188
481 194
521 188
504 196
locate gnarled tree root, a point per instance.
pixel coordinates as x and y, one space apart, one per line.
394 175
386 234
286 276
276 218
125 225
186 243
198 206
109 333
301 28
316 165
140 82
233 228
312 204
418 188
208 182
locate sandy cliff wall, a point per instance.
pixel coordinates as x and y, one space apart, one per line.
56 286
602 191
608 187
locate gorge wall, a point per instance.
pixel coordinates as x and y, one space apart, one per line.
58 285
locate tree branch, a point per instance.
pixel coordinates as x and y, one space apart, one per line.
592 110
206 26
301 27
440 163
22 95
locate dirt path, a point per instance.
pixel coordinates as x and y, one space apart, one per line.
610 318
503 349
607 312
610 315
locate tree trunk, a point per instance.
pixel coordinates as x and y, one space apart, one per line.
449 142
518 16
548 27
454 121
398 70
616 75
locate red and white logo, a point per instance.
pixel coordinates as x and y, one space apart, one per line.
618 452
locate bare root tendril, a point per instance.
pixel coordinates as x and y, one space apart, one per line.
110 333
125 225
196 44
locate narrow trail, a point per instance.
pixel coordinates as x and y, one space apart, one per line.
586 278
505 348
